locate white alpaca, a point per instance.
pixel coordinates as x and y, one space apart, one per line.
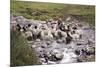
76 35
53 30
79 31
68 57
21 30
35 31
55 33
28 34
43 26
50 35
63 34
31 27
46 34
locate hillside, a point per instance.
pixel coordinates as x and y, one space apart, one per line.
44 11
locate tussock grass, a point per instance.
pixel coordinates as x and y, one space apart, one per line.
21 53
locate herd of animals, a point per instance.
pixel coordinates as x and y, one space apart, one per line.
57 41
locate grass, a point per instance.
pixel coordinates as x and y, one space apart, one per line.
21 53
43 11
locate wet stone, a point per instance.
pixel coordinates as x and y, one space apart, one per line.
59 41
38 40
79 44
77 52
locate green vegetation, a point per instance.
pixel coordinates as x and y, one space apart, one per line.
43 11
21 53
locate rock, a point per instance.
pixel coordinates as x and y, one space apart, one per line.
59 56
59 41
80 25
77 52
51 62
42 60
38 40
29 38
48 43
75 28
68 39
90 51
69 57
79 60
28 33
43 45
86 28
33 46
81 42
68 18
56 55
39 49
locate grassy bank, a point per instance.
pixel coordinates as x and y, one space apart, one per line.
21 53
43 11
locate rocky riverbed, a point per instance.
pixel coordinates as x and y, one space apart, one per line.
57 41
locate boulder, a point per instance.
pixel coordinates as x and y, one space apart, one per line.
68 39
56 55
33 46
59 56
77 52
59 41
38 40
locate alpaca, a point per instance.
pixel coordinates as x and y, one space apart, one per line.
46 34
76 34
28 35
